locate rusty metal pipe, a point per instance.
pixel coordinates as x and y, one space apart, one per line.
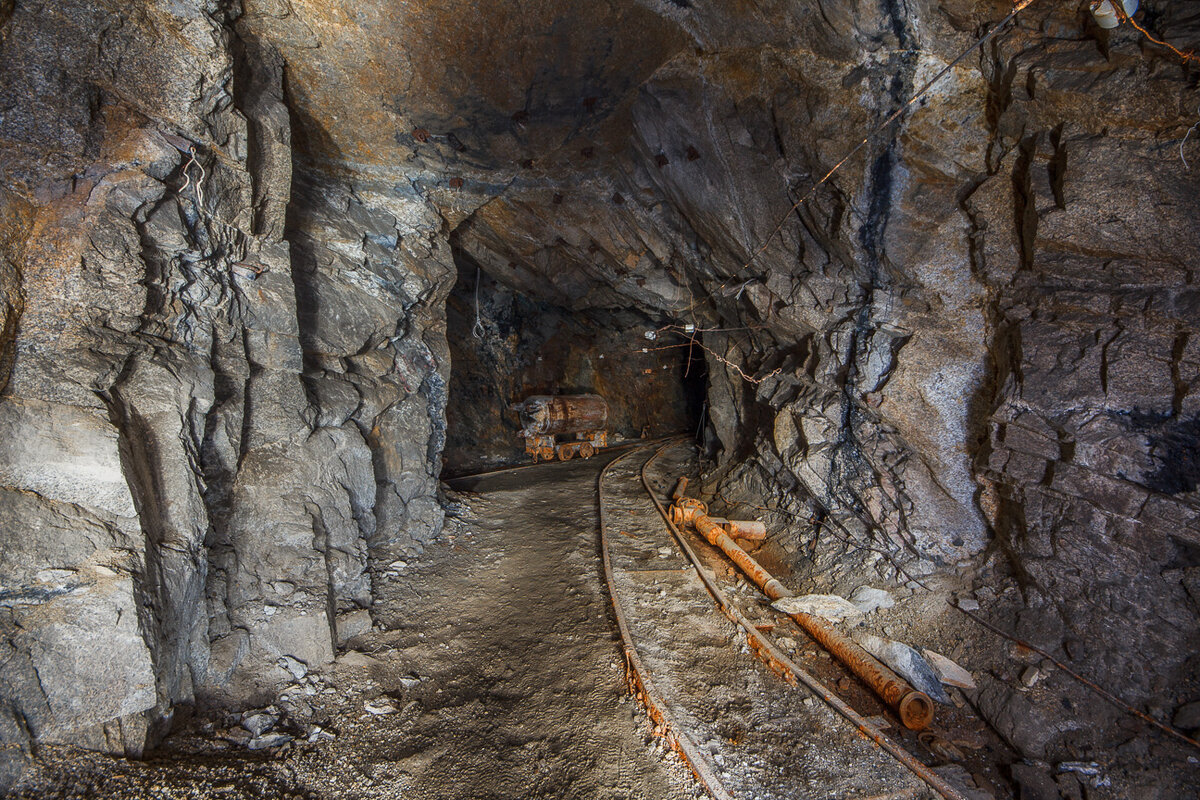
717 537
680 488
765 647
915 708
752 530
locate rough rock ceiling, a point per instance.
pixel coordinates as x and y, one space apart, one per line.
490 89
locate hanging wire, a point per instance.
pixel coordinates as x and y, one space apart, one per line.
1017 8
477 330
1124 16
1186 165
199 181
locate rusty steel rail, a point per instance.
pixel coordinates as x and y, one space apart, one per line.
639 678
765 648
914 707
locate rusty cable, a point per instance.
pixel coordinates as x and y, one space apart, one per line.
1119 8
1113 699
766 649
664 723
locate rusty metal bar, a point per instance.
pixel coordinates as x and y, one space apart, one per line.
915 708
765 648
664 723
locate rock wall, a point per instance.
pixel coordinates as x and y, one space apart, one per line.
973 348
223 415
224 375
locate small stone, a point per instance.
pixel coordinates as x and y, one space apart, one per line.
941 748
828 606
947 671
1188 716
268 741
787 644
867 599
1030 676
665 552
968 604
317 733
958 777
410 681
296 667
354 623
239 736
260 723
398 564
379 707
985 594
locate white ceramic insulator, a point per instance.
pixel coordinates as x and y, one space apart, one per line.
1106 14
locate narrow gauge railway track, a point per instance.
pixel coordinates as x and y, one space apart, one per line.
744 732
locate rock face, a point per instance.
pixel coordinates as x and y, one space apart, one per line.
224 396
226 376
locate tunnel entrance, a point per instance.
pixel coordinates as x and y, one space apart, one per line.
506 346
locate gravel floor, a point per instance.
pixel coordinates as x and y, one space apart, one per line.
498 675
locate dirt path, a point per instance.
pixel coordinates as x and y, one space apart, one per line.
497 676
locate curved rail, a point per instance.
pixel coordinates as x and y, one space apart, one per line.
764 647
639 677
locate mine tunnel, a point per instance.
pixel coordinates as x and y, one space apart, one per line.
507 345
871 329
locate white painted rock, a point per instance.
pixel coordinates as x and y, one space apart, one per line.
867 598
828 606
906 662
948 672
